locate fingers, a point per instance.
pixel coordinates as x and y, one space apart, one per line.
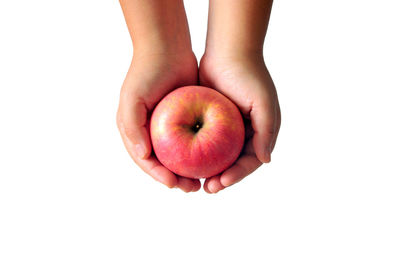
196 185
277 126
188 184
156 170
131 121
213 185
160 173
264 122
245 165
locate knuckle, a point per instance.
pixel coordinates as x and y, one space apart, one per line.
271 131
130 134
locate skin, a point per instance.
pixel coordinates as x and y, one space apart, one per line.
233 64
162 61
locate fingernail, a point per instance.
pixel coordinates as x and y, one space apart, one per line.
140 152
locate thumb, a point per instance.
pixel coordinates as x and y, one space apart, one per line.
263 121
132 124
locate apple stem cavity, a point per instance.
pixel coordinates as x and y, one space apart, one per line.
197 126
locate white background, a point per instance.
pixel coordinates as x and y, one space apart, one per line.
70 194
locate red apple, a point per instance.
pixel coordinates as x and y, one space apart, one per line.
196 132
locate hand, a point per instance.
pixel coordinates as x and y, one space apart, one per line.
246 81
149 79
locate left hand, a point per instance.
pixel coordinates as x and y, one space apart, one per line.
246 81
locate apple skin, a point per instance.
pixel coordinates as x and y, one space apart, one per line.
196 132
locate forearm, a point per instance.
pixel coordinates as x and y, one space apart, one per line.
157 26
237 26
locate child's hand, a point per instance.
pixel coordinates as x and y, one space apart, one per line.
163 60
233 64
246 81
149 79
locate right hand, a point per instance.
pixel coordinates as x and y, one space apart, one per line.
149 79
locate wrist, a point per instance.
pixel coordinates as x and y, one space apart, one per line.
157 26
221 53
164 55
237 27
229 42
228 51
159 45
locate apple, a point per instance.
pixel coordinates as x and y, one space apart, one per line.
196 132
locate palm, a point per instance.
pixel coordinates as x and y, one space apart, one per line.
154 76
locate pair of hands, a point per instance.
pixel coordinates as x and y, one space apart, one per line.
242 78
